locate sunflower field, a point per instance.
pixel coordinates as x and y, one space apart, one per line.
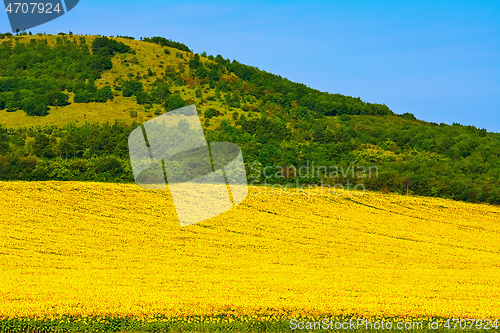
78 256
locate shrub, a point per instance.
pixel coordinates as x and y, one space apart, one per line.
82 97
34 107
211 112
57 98
131 87
173 102
198 93
142 97
344 117
104 94
408 116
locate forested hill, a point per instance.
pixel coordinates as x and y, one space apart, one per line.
64 70
68 103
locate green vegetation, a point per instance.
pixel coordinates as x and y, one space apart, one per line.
228 323
276 122
166 42
36 75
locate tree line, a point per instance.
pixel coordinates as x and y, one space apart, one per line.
457 162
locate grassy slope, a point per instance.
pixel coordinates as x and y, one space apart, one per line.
83 248
147 55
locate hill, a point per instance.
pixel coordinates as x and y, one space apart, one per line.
68 103
145 73
97 248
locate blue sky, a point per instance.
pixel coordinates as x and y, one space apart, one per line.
439 60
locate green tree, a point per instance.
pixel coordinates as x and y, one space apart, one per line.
101 63
173 102
41 145
131 87
35 107
161 92
211 112
142 97
195 62
198 93
57 98
4 140
103 95
82 97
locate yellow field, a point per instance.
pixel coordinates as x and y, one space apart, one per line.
89 248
